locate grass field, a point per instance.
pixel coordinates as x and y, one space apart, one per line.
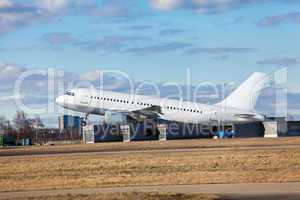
148 168
130 196
157 196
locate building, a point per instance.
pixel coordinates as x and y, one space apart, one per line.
175 131
286 128
69 121
293 128
70 125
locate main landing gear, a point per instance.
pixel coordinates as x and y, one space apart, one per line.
84 121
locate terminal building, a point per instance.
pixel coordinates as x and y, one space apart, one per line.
175 131
70 125
273 127
69 121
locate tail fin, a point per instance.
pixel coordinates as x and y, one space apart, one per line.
246 95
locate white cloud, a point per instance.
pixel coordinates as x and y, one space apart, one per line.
17 14
93 75
5 3
14 15
52 5
110 80
11 98
208 6
10 71
166 4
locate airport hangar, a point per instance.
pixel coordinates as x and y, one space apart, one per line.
272 127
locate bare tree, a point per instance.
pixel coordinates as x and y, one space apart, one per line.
3 123
38 122
22 125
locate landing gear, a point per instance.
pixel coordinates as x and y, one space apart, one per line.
83 122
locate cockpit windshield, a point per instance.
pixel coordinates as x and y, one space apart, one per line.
70 93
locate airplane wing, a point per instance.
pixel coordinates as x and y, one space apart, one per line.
153 111
146 113
244 116
255 117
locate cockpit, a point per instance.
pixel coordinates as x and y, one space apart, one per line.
70 93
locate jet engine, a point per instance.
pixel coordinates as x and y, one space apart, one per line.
114 118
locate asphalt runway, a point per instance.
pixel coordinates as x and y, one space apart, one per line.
272 191
49 152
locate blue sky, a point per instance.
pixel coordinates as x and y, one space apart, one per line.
219 40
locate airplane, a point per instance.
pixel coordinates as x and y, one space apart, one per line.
118 108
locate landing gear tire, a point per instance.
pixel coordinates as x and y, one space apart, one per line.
83 123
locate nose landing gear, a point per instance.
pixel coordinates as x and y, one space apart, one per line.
84 121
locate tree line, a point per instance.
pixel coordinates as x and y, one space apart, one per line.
24 127
21 126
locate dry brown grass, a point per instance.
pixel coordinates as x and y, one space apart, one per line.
129 196
165 168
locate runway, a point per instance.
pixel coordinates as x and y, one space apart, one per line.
175 150
153 147
240 191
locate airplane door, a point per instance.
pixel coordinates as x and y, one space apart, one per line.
85 100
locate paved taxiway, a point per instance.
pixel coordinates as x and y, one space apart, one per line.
115 152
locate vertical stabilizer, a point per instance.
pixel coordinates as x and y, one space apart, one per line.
246 95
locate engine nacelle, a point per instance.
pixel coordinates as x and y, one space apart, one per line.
113 118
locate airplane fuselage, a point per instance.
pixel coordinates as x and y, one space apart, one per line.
99 102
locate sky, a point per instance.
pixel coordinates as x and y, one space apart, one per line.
219 41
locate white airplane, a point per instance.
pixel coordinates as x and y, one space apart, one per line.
119 107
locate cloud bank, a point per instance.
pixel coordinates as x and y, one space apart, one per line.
210 6
282 62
